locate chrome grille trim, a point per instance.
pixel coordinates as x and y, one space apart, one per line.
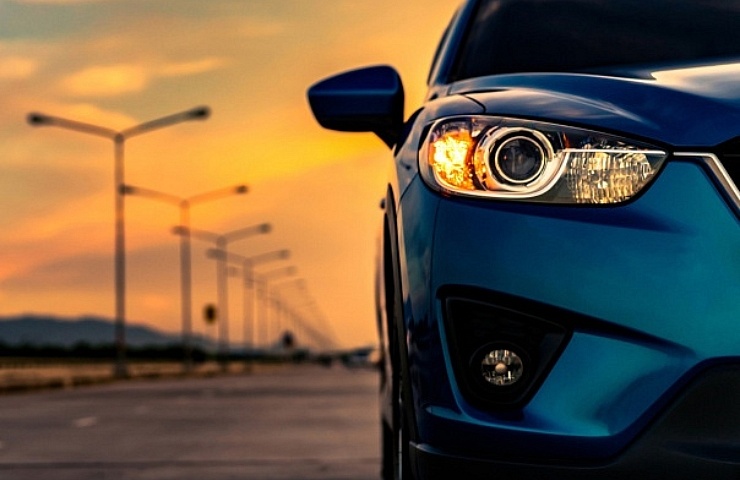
714 165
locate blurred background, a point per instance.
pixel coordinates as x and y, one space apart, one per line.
117 64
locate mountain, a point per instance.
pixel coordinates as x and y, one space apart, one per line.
41 330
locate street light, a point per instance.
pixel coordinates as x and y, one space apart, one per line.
221 242
248 264
327 338
263 287
184 204
323 334
119 138
283 310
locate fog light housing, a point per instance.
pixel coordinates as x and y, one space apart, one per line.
502 367
499 353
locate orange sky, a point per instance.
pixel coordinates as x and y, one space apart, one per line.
117 63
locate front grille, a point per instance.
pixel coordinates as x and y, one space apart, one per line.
729 155
731 164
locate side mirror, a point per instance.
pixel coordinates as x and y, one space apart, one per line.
366 100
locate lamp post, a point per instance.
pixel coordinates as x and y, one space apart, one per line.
263 287
221 242
322 335
283 310
248 264
119 138
184 204
326 335
321 338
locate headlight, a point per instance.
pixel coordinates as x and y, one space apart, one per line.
517 159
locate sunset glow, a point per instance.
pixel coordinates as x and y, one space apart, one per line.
117 63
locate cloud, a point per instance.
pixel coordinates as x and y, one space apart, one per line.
87 112
17 68
107 81
190 68
125 78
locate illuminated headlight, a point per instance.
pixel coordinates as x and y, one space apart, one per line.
516 160
606 176
519 159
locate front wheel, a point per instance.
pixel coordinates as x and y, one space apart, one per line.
395 437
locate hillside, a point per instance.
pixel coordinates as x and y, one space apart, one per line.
40 330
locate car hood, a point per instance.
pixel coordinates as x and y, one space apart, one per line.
696 106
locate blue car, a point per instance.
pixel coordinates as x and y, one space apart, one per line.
559 276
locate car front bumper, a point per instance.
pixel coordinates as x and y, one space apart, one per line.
653 285
696 435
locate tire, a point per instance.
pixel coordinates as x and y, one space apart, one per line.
395 438
398 427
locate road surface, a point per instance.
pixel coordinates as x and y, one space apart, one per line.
290 423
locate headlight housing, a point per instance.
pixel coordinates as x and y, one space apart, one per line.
525 160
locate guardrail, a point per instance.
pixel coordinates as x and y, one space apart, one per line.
20 374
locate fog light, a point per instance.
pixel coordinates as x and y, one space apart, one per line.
502 367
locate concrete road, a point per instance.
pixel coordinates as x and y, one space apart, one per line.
291 423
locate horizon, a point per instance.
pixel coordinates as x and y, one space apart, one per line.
118 63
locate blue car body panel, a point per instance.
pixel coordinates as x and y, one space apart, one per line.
691 106
616 265
636 303
665 266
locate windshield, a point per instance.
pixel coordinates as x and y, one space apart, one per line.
510 36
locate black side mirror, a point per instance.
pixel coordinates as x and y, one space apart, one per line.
365 100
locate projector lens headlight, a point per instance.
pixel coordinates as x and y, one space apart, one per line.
517 160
